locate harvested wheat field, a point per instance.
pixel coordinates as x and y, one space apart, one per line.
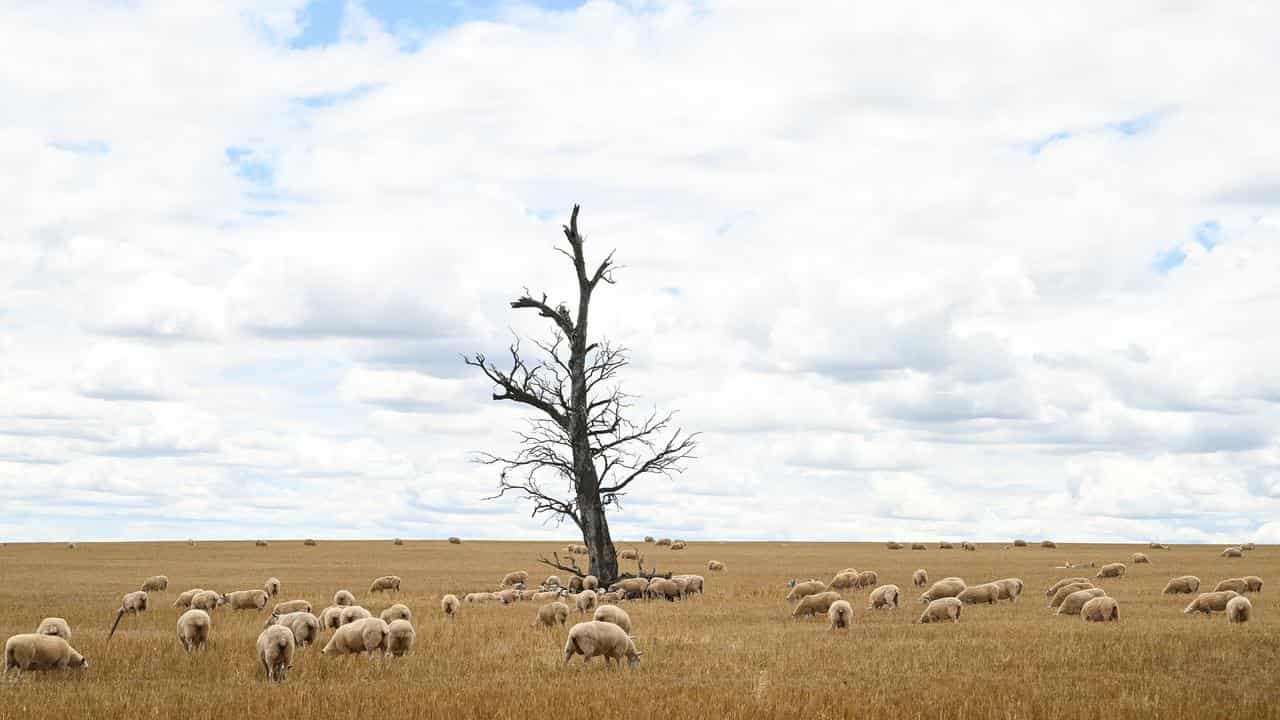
734 652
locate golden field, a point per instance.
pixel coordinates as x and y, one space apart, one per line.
735 653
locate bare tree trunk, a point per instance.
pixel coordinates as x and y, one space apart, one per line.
595 533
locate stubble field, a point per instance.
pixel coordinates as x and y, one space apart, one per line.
734 653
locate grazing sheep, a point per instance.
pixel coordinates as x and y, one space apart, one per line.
246 599
206 600
71 546
612 598
1101 609
944 588
155 583
1236 584
944 545
669 590
480 598
396 612
1253 583
844 581
1076 600
590 582
260 543
679 545
628 555
966 545
815 604
54 626
331 617
390 583
693 583
1065 591
868 578
1211 602
804 589
613 614
1111 570
362 636
397 541
840 615
304 626
885 596
631 588
400 637
449 605
893 545
595 637
1185 584
551 581
1232 552
1247 546
663 542
648 538
1019 543
1053 589
309 542
918 546
508 596
184 599
291 606
518 577
988 593
1239 609
272 586
947 608
455 541
275 652
1048 544
1010 588
191 542
193 629
552 614
1159 546
1141 559
920 578
132 603
715 566
352 613
33 651
584 601
548 596
344 597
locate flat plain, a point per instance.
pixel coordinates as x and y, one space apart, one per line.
733 653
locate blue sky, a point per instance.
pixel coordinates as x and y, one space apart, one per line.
322 19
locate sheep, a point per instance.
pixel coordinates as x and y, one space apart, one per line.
71 546
918 546
246 599
184 599
804 589
840 615
275 652
331 617
844 581
1253 583
206 600
632 587
272 586
947 608
132 603
590 582
584 601
944 545
309 542
193 629
1019 543
1048 544
386 582
397 541
715 566
1065 591
551 581
613 614
893 545
1141 559
575 584
988 593
1072 604
191 542
628 555
1247 546
155 583
552 614
693 583
362 636
663 542
291 606
549 595
595 637
1185 584
1232 552
883 597
966 545
1158 546
517 577
55 626
944 588
814 604
479 598
1111 570
449 605
868 578
396 612
1101 609
679 545
1010 588
33 651
1209 603
668 589
260 543
455 541
352 613
1239 609
344 597
508 596
1236 584
611 598
648 538
400 637
920 578
1064 581
304 626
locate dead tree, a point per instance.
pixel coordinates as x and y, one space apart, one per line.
582 450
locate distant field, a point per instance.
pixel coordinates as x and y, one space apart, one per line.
733 653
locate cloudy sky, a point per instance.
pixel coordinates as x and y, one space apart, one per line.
968 271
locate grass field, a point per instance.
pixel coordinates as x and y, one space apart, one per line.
734 653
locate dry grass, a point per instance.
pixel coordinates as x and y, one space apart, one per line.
734 653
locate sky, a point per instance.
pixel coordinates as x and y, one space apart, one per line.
946 271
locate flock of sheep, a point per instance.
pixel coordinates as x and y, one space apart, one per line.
1074 596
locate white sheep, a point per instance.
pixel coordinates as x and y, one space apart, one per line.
389 583
1232 552
155 583
246 599
1239 609
400 637
449 604
840 614
331 617
552 614
352 613
947 608
206 600
1209 603
275 651
396 612
1111 570
292 606
1074 602
1184 584
519 577
344 597
920 578
304 626
596 638
944 588
361 636
590 582
33 651
184 599
1053 589
585 600
885 596
132 603
272 586
1101 609
54 626
193 629
613 614
1010 588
